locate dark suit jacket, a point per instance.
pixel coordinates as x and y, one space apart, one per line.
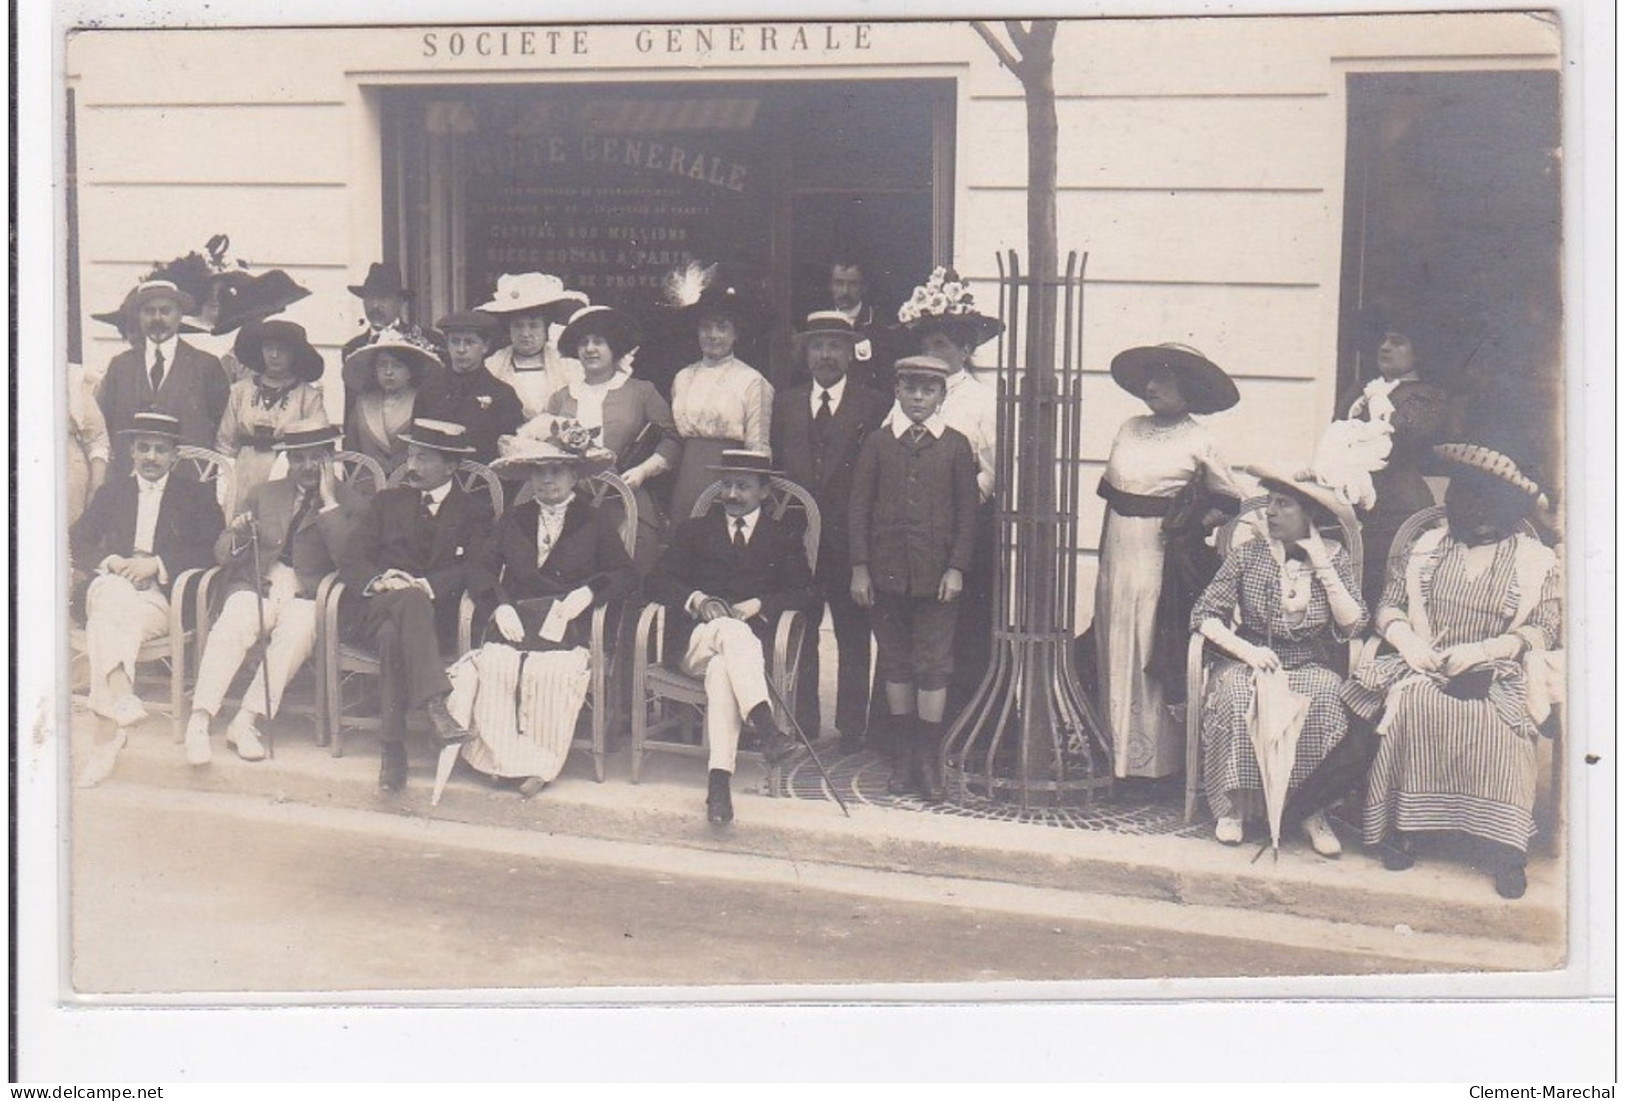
827 471
317 544
588 552
479 401
389 536
772 568
887 342
913 510
189 520
194 391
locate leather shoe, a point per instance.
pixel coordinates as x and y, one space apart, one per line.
392 772
1511 881
719 803
904 767
928 762
445 727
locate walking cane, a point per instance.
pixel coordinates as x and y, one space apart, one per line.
778 702
260 642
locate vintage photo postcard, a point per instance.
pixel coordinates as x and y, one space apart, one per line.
609 508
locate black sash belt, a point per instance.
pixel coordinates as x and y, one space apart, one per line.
1133 504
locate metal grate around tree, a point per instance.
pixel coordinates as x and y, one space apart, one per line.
1030 735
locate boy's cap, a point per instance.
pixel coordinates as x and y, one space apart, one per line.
929 366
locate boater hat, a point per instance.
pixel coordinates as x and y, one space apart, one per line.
825 323
569 444
616 326
307 434
446 437
359 368
1207 389
152 289
743 461
249 347
381 279
153 424
533 290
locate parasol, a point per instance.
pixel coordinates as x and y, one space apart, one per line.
1276 723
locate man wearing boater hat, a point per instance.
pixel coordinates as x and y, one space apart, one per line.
404 570
140 532
163 374
301 522
818 428
468 394
724 580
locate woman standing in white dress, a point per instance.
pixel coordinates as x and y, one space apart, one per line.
1153 458
720 403
282 388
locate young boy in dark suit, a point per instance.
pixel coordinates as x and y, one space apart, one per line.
913 526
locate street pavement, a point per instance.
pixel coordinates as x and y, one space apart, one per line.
204 892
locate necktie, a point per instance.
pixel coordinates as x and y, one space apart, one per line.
157 368
306 503
426 506
916 433
739 533
824 411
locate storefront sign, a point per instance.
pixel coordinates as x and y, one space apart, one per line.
691 41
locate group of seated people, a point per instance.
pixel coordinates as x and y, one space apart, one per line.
1443 730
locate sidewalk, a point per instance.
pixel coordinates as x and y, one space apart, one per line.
1134 858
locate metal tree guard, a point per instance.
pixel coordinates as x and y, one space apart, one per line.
1029 735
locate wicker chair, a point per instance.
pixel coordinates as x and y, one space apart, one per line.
665 699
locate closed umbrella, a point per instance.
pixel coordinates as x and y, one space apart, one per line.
1277 722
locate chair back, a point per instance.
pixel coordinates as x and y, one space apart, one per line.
1424 519
1249 523
471 477
360 472
783 496
211 468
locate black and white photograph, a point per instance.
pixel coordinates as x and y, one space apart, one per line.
666 509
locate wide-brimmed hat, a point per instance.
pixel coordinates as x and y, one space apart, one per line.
481 324
1205 386
153 424
533 290
249 347
296 437
744 461
929 366
944 302
241 298
616 326
1498 464
569 443
382 278
1304 485
359 368
447 437
825 323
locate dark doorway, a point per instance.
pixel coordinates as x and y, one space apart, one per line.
1453 218
612 187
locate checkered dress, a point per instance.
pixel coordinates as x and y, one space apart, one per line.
1246 593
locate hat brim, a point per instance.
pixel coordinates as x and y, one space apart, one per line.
432 445
799 342
745 470
187 304
1273 476
160 432
361 290
971 329
622 331
249 350
235 314
585 465
360 375
568 300
1205 386
305 445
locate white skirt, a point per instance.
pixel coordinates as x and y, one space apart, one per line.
1145 739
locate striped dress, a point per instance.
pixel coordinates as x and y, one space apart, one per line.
1281 606
1458 764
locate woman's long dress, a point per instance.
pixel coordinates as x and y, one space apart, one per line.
521 700
254 415
621 409
1277 603
1148 460
375 424
716 407
1447 763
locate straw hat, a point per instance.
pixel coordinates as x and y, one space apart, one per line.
1487 460
1306 487
296 437
945 303
533 290
743 461
569 443
1207 389
360 367
153 424
825 323
447 437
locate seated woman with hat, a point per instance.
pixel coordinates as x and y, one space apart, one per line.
1274 607
631 418
1474 611
550 560
1153 459
719 403
282 389
386 377
530 304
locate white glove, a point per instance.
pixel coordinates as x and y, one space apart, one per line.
508 624
1319 554
1261 658
575 601
1417 654
1467 655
